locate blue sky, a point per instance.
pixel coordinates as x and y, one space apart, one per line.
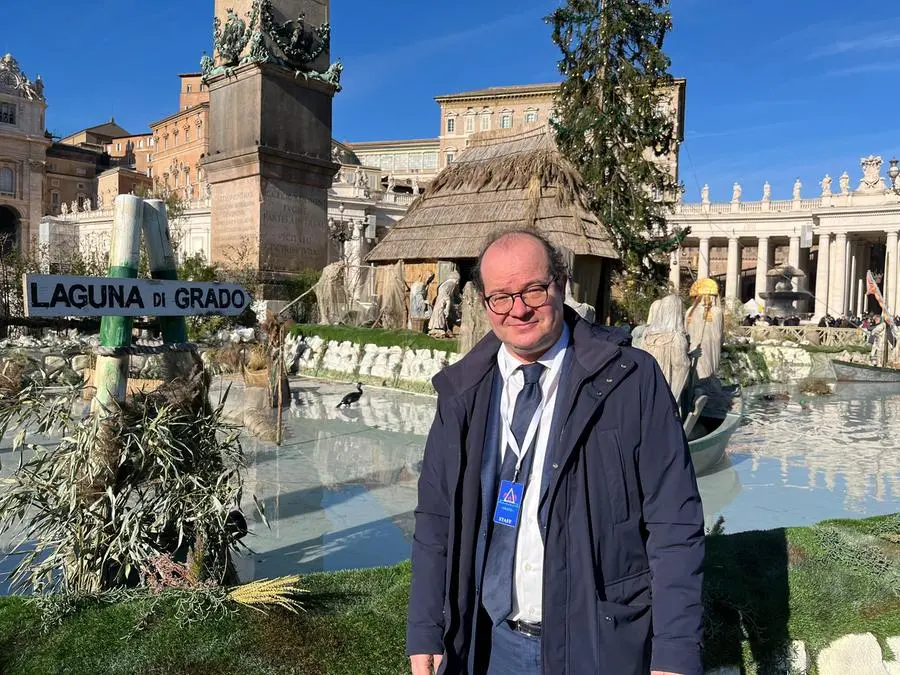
776 90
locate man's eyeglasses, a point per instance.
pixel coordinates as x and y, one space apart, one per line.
534 296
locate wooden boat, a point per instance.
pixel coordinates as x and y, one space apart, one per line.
858 372
707 450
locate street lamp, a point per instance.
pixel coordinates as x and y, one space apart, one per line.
338 233
893 173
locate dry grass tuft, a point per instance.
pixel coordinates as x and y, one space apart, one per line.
263 593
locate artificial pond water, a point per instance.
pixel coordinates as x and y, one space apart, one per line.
340 491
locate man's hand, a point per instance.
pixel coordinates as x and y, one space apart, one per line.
425 664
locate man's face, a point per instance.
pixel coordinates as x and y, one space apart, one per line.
512 265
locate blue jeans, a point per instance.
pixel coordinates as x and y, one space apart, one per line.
513 653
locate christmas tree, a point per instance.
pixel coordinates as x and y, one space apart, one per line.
615 123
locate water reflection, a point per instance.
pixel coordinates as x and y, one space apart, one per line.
341 490
805 459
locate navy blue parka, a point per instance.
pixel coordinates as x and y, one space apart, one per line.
620 515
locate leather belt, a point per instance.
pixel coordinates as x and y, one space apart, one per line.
525 628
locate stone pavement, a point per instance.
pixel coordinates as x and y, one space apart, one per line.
852 654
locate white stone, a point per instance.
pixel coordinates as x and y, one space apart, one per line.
859 654
81 362
331 355
312 356
786 364
893 666
370 353
242 335
138 363
53 364
799 659
293 348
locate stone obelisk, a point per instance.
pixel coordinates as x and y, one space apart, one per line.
269 163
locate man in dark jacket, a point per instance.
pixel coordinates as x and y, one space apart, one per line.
559 530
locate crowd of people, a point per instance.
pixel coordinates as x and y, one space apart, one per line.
865 321
766 320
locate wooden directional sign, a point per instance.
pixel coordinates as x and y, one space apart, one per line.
53 295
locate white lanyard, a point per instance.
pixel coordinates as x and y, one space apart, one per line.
533 426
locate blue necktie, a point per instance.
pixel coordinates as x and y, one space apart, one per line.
499 567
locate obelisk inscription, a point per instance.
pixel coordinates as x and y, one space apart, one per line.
269 163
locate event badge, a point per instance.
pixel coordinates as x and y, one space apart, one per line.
509 503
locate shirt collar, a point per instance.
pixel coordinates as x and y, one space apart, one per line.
551 359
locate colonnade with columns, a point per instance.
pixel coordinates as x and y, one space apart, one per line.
735 268
841 283
835 268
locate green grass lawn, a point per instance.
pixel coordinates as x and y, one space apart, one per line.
379 337
763 588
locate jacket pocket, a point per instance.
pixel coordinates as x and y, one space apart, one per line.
606 467
624 640
633 589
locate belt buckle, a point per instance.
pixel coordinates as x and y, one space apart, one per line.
527 628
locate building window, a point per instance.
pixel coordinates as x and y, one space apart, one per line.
415 161
451 125
470 124
118 147
506 121
141 144
387 163
187 134
485 122
401 162
81 186
430 160
8 113
7 181
149 156
190 88
450 157
54 201
531 116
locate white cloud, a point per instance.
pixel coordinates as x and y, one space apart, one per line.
863 68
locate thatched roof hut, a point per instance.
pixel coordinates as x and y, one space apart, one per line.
501 181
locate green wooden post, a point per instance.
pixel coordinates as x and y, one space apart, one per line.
163 265
115 331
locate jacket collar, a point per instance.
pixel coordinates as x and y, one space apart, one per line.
594 347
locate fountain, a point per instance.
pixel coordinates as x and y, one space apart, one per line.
780 302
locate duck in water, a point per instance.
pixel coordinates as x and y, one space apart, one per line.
352 397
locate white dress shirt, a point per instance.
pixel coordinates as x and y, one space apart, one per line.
528 576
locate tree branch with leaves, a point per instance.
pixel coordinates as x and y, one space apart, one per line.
614 122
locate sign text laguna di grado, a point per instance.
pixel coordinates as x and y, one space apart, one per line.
48 295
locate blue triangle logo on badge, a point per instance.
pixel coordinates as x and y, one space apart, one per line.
510 496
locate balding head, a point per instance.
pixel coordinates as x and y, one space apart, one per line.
556 266
521 278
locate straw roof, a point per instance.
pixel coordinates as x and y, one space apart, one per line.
501 181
